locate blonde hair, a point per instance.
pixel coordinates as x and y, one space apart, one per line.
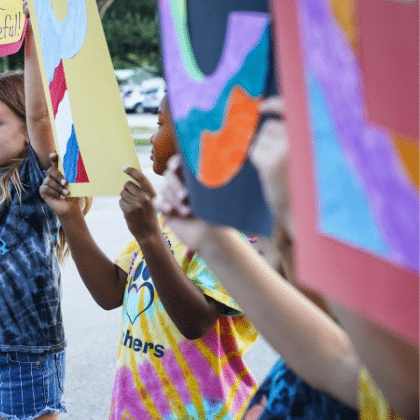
12 94
63 249
11 177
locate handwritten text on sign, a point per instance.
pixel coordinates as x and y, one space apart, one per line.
12 21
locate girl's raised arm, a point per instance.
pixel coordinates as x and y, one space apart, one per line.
310 342
104 280
37 118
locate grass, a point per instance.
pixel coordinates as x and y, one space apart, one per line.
136 132
141 142
140 128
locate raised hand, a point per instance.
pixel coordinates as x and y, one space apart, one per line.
269 155
174 197
25 8
173 203
53 190
136 204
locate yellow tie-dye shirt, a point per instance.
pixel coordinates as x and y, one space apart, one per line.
372 403
160 374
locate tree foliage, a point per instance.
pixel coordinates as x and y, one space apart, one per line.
132 34
131 31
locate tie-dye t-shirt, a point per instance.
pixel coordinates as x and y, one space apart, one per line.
160 374
373 405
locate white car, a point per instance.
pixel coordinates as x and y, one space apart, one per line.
133 96
152 99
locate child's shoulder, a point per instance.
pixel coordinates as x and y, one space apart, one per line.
30 169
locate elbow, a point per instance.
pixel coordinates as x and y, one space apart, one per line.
334 371
108 304
192 337
109 296
193 331
196 323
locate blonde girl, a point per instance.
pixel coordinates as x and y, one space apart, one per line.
32 343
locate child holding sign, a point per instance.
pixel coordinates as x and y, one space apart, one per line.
183 337
32 355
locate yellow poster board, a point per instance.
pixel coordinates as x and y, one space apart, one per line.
90 127
12 26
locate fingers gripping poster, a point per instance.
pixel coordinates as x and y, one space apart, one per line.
90 127
218 68
353 109
12 26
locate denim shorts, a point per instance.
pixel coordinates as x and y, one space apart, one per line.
31 385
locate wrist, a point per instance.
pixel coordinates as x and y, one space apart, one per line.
149 239
73 213
29 33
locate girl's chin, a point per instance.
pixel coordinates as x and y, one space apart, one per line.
158 170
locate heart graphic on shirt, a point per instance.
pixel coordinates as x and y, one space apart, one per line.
149 303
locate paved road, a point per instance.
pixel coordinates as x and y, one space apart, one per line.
93 333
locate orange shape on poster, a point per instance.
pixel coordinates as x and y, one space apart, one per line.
409 155
224 152
345 13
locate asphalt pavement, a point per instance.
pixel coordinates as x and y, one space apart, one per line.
93 333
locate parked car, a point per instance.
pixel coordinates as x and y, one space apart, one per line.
133 96
152 98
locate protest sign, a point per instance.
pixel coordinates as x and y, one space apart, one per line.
218 68
354 152
92 135
12 26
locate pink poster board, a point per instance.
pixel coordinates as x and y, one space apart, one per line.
362 254
390 57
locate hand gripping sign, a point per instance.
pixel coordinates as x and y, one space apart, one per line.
12 26
90 128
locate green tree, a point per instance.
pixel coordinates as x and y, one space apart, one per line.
132 34
131 31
